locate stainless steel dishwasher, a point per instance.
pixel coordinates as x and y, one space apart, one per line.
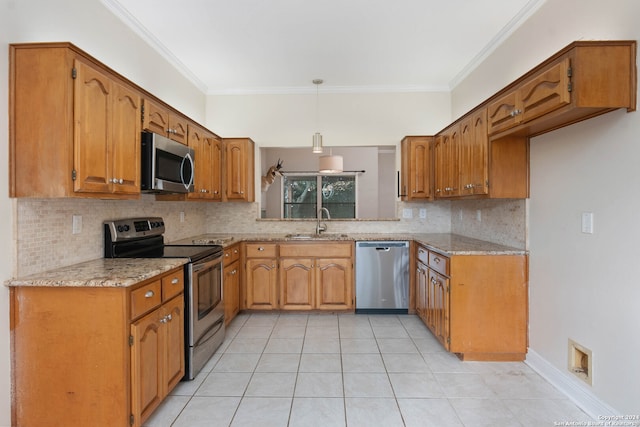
382 277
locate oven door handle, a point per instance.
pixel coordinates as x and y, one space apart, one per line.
211 331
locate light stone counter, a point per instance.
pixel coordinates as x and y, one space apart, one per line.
445 243
109 272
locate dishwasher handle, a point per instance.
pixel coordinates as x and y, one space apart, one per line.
383 249
381 245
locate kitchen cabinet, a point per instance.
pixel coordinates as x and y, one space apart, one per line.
474 154
457 298
261 275
208 156
447 164
316 276
161 120
231 282
104 355
62 98
581 81
239 154
417 168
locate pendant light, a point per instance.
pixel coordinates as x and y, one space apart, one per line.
331 163
317 137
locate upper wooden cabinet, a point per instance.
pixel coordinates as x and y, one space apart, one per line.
239 169
474 154
583 80
447 162
161 120
74 126
208 160
417 168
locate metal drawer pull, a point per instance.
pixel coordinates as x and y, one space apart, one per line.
261 248
175 280
149 294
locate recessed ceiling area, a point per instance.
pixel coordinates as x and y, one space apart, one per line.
280 46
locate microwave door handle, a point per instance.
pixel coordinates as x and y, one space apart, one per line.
185 159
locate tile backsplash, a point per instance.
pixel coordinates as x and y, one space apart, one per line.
44 239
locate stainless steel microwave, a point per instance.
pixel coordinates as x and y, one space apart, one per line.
167 166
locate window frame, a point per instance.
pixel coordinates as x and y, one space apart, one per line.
318 177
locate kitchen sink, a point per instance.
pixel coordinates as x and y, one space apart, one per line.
322 236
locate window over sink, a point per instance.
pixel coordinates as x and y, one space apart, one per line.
303 195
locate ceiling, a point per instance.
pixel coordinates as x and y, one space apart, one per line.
280 46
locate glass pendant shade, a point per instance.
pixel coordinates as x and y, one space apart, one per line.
317 143
330 164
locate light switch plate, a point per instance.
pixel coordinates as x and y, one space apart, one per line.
423 213
407 213
587 222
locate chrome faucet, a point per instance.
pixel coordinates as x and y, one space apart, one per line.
322 227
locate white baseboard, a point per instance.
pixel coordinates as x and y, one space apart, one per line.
573 388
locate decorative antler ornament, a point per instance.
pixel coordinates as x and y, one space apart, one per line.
270 176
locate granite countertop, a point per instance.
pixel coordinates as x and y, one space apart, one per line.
445 243
103 272
123 272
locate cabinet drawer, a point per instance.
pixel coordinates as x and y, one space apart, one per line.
172 284
423 255
145 298
312 249
231 254
261 250
439 263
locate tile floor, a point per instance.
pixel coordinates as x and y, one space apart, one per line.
355 370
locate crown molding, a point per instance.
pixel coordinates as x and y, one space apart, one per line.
298 90
130 21
525 13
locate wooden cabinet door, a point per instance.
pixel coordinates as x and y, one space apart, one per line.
215 169
545 92
92 129
147 364
501 113
447 162
156 118
417 152
334 283
231 291
236 166
125 174
173 324
196 141
438 307
296 284
474 154
421 291
178 128
261 276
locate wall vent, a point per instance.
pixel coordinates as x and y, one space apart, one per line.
580 362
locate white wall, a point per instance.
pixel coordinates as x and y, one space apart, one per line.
583 287
344 119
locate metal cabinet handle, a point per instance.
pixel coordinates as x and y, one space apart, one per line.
175 280
261 248
149 294
436 260
169 317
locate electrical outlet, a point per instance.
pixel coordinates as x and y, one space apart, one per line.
423 213
181 216
76 224
407 213
478 215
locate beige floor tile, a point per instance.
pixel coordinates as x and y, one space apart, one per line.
357 362
263 412
428 412
319 384
367 385
317 412
362 412
328 362
208 412
271 384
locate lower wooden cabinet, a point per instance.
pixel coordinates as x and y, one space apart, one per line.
475 305
231 283
299 276
96 355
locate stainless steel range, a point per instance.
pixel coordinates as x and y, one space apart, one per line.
204 311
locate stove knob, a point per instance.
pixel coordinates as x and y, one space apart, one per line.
120 229
126 228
